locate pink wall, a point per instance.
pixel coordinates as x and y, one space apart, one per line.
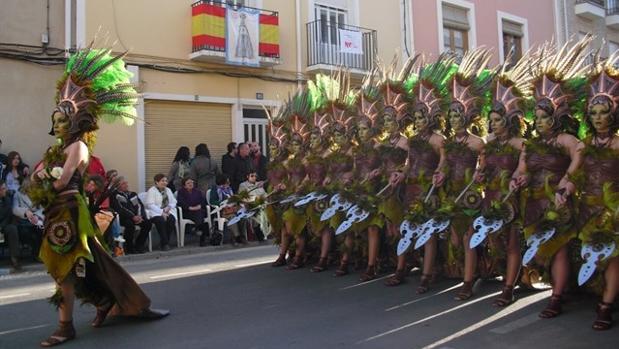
539 14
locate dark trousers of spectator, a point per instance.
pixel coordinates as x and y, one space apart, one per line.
165 227
23 232
138 245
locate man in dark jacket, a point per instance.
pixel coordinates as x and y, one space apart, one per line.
227 160
131 213
259 161
242 167
8 230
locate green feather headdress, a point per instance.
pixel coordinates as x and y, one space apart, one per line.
96 86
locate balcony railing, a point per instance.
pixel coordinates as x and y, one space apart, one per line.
599 3
324 49
209 32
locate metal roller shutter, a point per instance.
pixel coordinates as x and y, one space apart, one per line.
170 125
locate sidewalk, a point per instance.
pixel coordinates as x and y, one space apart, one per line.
29 267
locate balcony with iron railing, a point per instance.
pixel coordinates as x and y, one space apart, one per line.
209 32
590 9
330 46
612 14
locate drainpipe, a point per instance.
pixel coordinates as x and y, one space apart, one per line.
298 34
68 16
567 32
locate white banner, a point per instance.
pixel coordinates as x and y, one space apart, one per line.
242 36
351 41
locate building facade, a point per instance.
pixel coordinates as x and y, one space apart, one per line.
182 54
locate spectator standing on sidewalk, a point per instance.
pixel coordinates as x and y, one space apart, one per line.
259 161
203 169
242 166
179 169
227 160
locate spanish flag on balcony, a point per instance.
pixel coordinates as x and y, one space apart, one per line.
209 30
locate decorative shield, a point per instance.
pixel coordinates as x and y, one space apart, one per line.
592 254
483 227
534 242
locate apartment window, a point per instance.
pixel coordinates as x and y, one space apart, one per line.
331 18
512 40
455 29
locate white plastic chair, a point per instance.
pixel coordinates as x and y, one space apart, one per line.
182 224
214 210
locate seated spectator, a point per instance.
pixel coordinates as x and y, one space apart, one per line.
131 213
191 201
227 160
179 169
160 209
14 172
203 169
8 230
220 193
29 220
97 193
255 191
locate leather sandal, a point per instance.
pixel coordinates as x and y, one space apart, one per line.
280 261
101 315
553 309
297 263
604 319
505 298
369 274
465 292
424 285
342 269
397 278
321 266
64 333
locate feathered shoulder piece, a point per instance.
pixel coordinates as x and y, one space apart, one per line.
558 77
604 83
394 97
431 90
96 85
471 83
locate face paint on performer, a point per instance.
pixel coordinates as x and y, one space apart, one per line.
600 117
314 141
498 124
421 121
295 146
60 125
273 149
456 121
339 138
543 122
363 132
390 125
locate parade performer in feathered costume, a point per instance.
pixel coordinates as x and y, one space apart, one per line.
363 190
94 87
598 215
510 89
425 159
549 162
468 91
277 177
339 157
297 114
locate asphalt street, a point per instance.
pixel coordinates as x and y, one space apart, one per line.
232 298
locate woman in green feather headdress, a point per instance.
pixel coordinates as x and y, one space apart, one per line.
598 214
549 162
95 86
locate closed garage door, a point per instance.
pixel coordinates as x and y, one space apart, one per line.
170 125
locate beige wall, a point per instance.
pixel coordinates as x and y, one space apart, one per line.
387 25
23 22
577 24
27 100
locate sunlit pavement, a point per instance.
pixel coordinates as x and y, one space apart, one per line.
233 299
